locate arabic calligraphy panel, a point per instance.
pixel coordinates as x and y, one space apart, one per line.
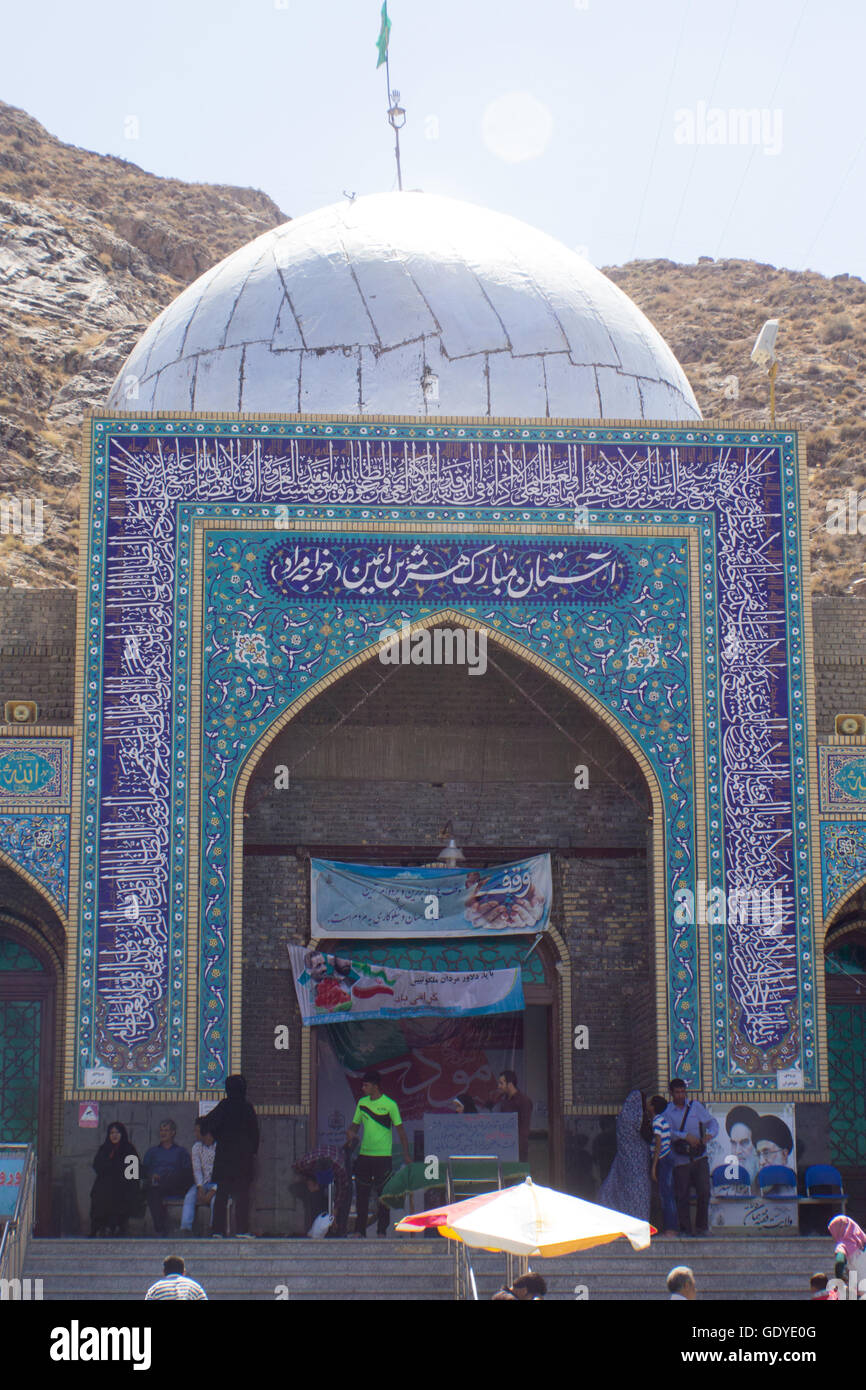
842 778
736 492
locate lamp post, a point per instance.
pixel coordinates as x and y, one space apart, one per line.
397 120
764 354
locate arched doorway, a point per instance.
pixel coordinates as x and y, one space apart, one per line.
376 768
31 963
845 964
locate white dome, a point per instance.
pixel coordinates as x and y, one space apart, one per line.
405 304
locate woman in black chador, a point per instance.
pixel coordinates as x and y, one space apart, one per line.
114 1196
235 1128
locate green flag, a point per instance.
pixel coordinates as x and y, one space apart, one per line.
384 36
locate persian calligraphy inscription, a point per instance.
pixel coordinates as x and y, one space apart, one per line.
685 586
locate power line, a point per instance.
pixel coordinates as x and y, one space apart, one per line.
832 205
686 12
688 181
794 33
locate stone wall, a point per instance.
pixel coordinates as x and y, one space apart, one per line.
840 658
276 1209
37 651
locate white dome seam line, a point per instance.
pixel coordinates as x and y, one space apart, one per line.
222 342
339 230
496 315
426 303
546 390
553 314
598 393
290 304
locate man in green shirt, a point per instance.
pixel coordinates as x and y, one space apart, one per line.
380 1117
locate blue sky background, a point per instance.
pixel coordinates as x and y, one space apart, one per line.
284 95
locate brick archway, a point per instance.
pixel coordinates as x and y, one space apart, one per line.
306 725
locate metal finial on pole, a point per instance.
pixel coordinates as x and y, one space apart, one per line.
397 120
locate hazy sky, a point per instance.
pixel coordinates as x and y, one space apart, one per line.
611 124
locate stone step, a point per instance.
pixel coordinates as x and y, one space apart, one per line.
411 1268
333 1271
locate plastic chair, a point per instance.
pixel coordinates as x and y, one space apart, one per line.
721 1178
777 1176
824 1176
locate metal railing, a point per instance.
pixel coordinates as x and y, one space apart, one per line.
466 1287
19 1226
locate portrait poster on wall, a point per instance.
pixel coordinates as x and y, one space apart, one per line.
750 1141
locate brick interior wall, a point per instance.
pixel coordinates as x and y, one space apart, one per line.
839 626
375 765
37 651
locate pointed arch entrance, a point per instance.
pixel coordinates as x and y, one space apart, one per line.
379 761
31 988
845 994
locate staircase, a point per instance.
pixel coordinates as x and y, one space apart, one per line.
265 1270
736 1268
421 1270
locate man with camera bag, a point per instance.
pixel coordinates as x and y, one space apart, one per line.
691 1125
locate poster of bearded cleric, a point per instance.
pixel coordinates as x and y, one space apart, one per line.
753 1166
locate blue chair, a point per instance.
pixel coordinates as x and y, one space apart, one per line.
720 1178
823 1184
777 1176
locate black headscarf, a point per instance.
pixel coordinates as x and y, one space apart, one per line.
121 1149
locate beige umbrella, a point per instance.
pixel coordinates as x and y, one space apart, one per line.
531 1220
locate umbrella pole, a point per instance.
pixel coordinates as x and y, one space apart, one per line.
515 1265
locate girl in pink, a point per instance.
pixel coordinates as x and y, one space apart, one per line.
850 1247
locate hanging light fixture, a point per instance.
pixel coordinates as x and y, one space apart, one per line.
452 854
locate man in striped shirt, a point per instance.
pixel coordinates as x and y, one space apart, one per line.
663 1165
174 1284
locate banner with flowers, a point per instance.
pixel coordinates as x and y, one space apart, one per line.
363 900
334 989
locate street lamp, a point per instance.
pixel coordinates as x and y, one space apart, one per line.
764 354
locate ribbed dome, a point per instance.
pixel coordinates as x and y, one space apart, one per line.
405 304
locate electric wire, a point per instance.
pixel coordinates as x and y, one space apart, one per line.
688 181
686 13
736 199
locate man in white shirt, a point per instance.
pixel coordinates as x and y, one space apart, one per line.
681 1284
691 1125
203 1189
174 1284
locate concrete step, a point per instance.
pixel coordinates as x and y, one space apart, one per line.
760 1271
411 1268
260 1270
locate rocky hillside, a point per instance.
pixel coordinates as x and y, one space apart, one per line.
710 314
92 248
